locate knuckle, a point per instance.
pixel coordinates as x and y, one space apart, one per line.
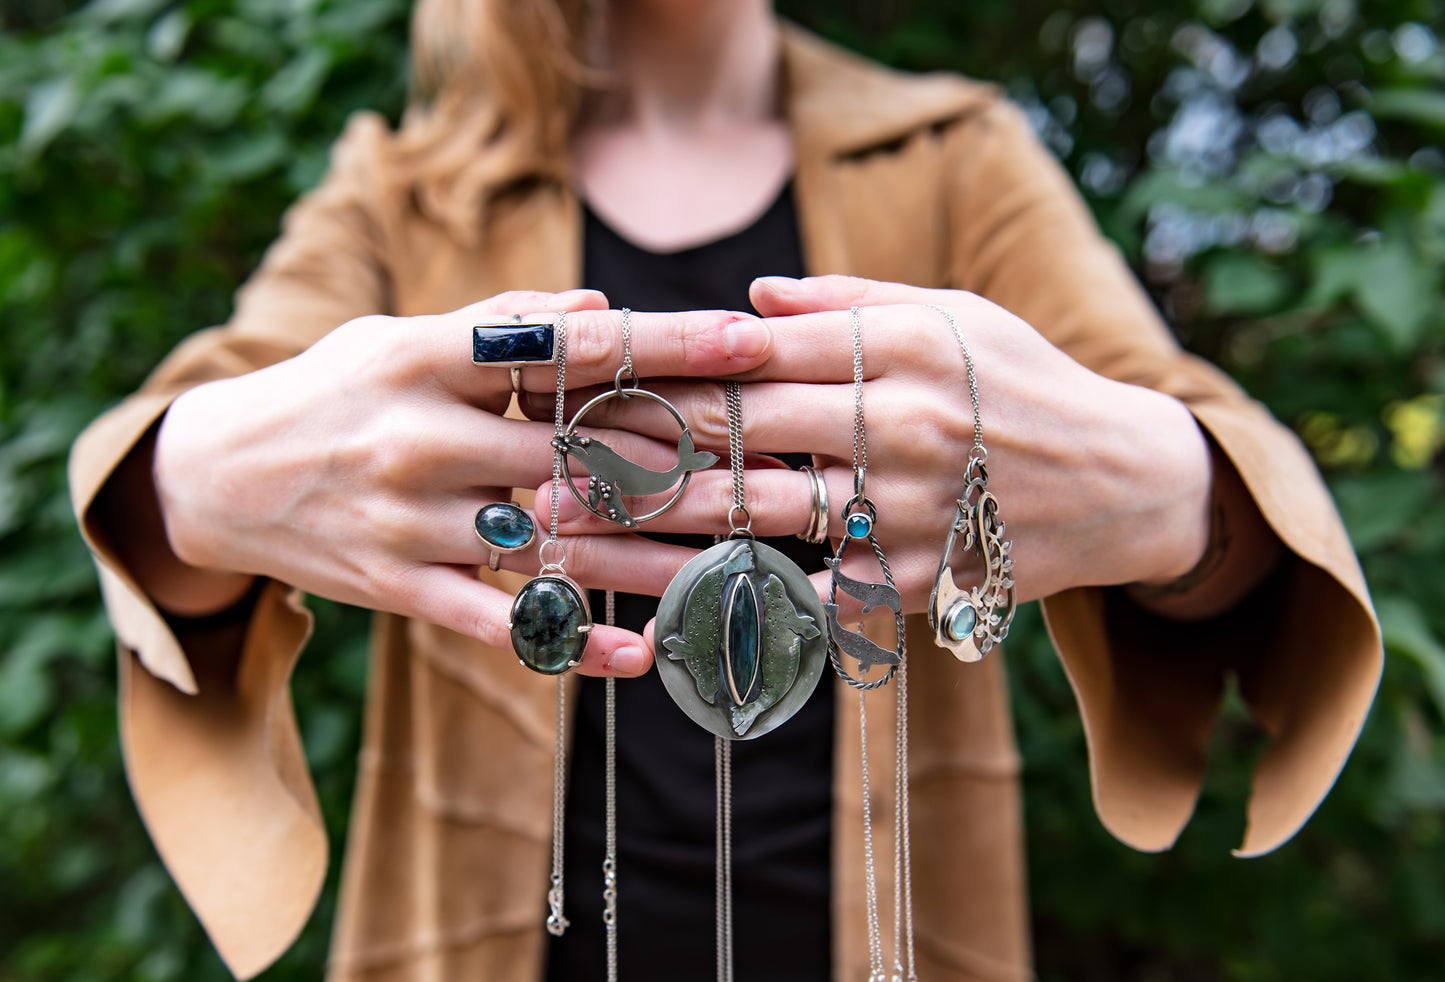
486 629
591 342
707 417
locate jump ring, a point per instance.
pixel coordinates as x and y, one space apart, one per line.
561 560
746 529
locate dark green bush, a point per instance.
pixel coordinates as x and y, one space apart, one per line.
1274 169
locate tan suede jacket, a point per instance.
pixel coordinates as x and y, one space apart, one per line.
933 180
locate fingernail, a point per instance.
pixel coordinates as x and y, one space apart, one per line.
627 660
747 338
779 283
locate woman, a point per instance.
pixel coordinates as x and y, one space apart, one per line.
336 438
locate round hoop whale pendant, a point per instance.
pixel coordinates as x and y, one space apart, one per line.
612 476
740 645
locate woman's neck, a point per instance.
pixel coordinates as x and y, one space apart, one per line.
690 143
685 64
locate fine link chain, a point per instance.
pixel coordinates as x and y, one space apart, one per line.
735 440
556 920
903 970
875 941
609 864
723 898
722 748
978 452
558 429
626 371
860 435
734 395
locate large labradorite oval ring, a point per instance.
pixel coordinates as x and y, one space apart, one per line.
612 476
740 645
549 624
504 527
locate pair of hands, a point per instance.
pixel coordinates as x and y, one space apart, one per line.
353 470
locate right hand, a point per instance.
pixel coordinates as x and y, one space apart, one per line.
353 470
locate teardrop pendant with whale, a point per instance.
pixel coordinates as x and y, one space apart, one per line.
612 476
858 525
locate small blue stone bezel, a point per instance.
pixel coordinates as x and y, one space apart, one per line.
858 525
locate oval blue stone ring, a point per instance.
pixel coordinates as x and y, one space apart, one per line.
505 527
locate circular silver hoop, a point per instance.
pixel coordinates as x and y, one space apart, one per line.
621 392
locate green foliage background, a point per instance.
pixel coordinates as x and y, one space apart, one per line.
1274 169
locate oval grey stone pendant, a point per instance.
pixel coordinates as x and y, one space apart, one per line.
550 622
740 639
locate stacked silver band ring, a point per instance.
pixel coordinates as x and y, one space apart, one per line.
817 530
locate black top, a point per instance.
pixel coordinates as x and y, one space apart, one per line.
782 781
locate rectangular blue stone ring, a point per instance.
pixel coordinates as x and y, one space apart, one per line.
511 342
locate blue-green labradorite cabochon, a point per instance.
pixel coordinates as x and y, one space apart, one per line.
743 625
960 622
512 342
550 622
859 525
505 526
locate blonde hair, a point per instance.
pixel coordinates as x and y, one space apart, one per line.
496 89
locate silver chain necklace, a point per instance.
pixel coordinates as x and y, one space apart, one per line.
860 517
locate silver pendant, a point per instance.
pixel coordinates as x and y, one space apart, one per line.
739 642
549 624
854 644
612 476
970 622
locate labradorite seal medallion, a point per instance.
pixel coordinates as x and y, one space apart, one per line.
550 622
740 639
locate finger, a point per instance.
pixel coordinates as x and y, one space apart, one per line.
781 296
451 597
693 343
780 502
777 417
442 343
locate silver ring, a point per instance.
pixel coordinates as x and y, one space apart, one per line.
504 526
817 531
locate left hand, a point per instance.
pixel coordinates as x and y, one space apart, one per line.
1098 481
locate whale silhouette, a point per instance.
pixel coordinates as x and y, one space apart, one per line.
613 475
873 595
856 645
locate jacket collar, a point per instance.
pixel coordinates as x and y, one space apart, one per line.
838 103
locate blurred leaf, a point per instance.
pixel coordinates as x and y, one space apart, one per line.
1421 106
294 87
49 110
26 695
1407 633
1396 291
1236 283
